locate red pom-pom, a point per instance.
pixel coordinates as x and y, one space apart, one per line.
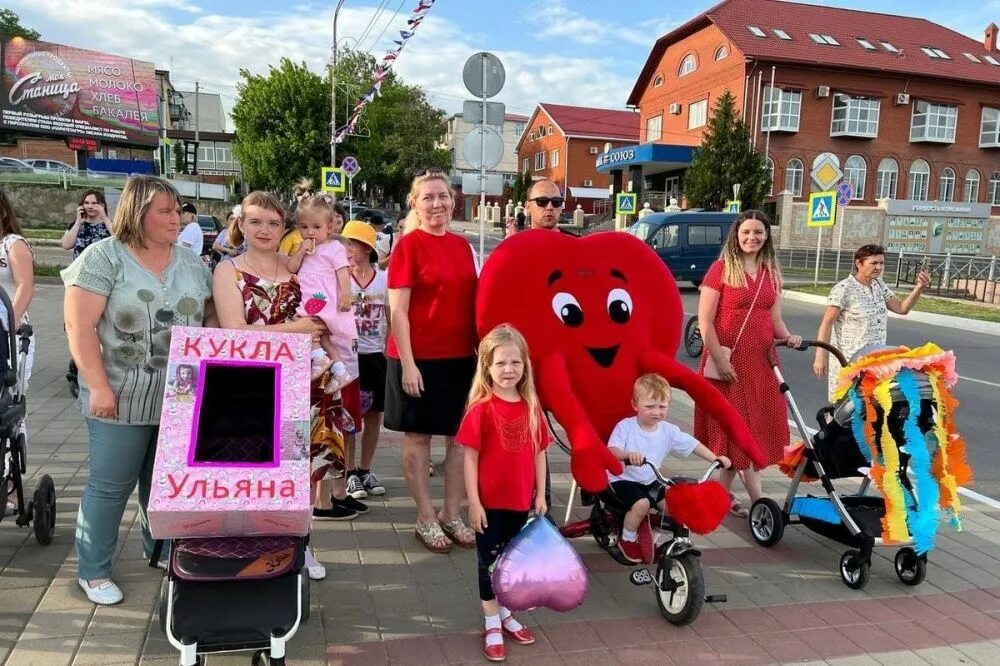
699 506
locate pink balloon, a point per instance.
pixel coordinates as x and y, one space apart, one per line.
539 567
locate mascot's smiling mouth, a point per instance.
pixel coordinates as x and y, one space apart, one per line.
604 356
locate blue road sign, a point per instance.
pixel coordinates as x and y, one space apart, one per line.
350 166
822 212
625 203
845 192
333 180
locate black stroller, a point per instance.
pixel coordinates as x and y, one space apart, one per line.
234 594
854 520
13 457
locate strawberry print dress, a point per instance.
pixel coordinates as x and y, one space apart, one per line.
318 279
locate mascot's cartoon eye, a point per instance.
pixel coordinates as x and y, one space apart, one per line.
619 306
568 309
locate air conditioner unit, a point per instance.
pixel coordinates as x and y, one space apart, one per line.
902 99
588 183
593 150
675 108
823 91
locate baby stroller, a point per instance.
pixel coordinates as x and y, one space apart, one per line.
855 520
232 594
41 509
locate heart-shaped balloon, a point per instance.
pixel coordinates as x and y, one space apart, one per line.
539 568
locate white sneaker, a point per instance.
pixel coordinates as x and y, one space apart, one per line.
315 570
105 594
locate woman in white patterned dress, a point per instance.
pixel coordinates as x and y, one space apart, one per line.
857 309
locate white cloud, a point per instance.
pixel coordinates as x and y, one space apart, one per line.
212 48
559 20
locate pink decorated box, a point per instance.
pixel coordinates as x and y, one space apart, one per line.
232 458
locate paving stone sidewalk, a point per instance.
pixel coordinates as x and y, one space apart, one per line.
389 601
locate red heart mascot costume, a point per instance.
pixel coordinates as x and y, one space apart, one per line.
597 312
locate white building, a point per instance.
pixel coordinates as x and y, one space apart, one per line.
211 116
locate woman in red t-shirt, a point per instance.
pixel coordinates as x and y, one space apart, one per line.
505 436
431 354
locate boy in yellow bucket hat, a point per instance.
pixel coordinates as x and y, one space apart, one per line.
370 296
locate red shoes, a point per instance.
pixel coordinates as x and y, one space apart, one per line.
493 652
522 636
631 550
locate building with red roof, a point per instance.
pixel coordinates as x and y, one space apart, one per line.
909 108
562 143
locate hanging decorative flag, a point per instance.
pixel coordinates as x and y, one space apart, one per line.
416 18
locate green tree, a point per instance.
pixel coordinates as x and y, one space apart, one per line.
282 123
522 183
725 157
10 26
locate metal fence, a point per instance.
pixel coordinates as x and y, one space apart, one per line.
957 276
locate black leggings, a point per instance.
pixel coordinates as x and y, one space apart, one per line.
501 526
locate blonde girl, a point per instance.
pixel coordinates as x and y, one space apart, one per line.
505 436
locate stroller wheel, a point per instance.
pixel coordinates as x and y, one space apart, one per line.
44 510
911 569
767 522
854 570
693 343
264 658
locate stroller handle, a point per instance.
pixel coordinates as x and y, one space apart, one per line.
803 346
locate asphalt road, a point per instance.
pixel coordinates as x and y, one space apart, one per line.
978 390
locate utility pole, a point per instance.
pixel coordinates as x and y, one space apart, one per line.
197 148
333 88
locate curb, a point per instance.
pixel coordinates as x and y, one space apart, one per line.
947 321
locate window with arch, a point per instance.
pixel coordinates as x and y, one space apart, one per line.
920 179
722 52
770 176
995 188
946 185
886 179
793 176
688 64
856 172
658 81
971 194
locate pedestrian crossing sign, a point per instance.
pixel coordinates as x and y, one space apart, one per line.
333 180
733 206
625 203
822 209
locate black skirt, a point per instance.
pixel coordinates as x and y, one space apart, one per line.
439 410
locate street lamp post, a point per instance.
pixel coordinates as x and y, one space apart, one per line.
333 89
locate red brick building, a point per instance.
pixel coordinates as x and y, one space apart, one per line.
562 143
910 108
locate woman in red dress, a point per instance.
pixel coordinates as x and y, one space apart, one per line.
740 308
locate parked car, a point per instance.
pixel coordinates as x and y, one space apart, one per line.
50 166
210 227
13 165
688 242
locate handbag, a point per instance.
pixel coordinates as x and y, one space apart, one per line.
711 370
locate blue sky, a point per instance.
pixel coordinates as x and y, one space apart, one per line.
585 52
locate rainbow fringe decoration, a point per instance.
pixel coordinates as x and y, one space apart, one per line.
934 461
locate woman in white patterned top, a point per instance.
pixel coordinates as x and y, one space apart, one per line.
857 309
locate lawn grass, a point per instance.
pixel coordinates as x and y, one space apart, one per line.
931 304
35 233
47 270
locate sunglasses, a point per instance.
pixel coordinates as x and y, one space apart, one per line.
429 171
543 202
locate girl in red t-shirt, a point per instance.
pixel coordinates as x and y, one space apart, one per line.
505 436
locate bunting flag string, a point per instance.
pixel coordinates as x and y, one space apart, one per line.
417 17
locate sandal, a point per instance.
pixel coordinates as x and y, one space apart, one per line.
737 509
459 533
432 537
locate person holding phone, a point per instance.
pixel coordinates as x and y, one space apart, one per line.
91 223
857 310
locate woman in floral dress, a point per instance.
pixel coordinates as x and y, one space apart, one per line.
256 289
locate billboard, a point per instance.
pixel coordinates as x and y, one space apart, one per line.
64 91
